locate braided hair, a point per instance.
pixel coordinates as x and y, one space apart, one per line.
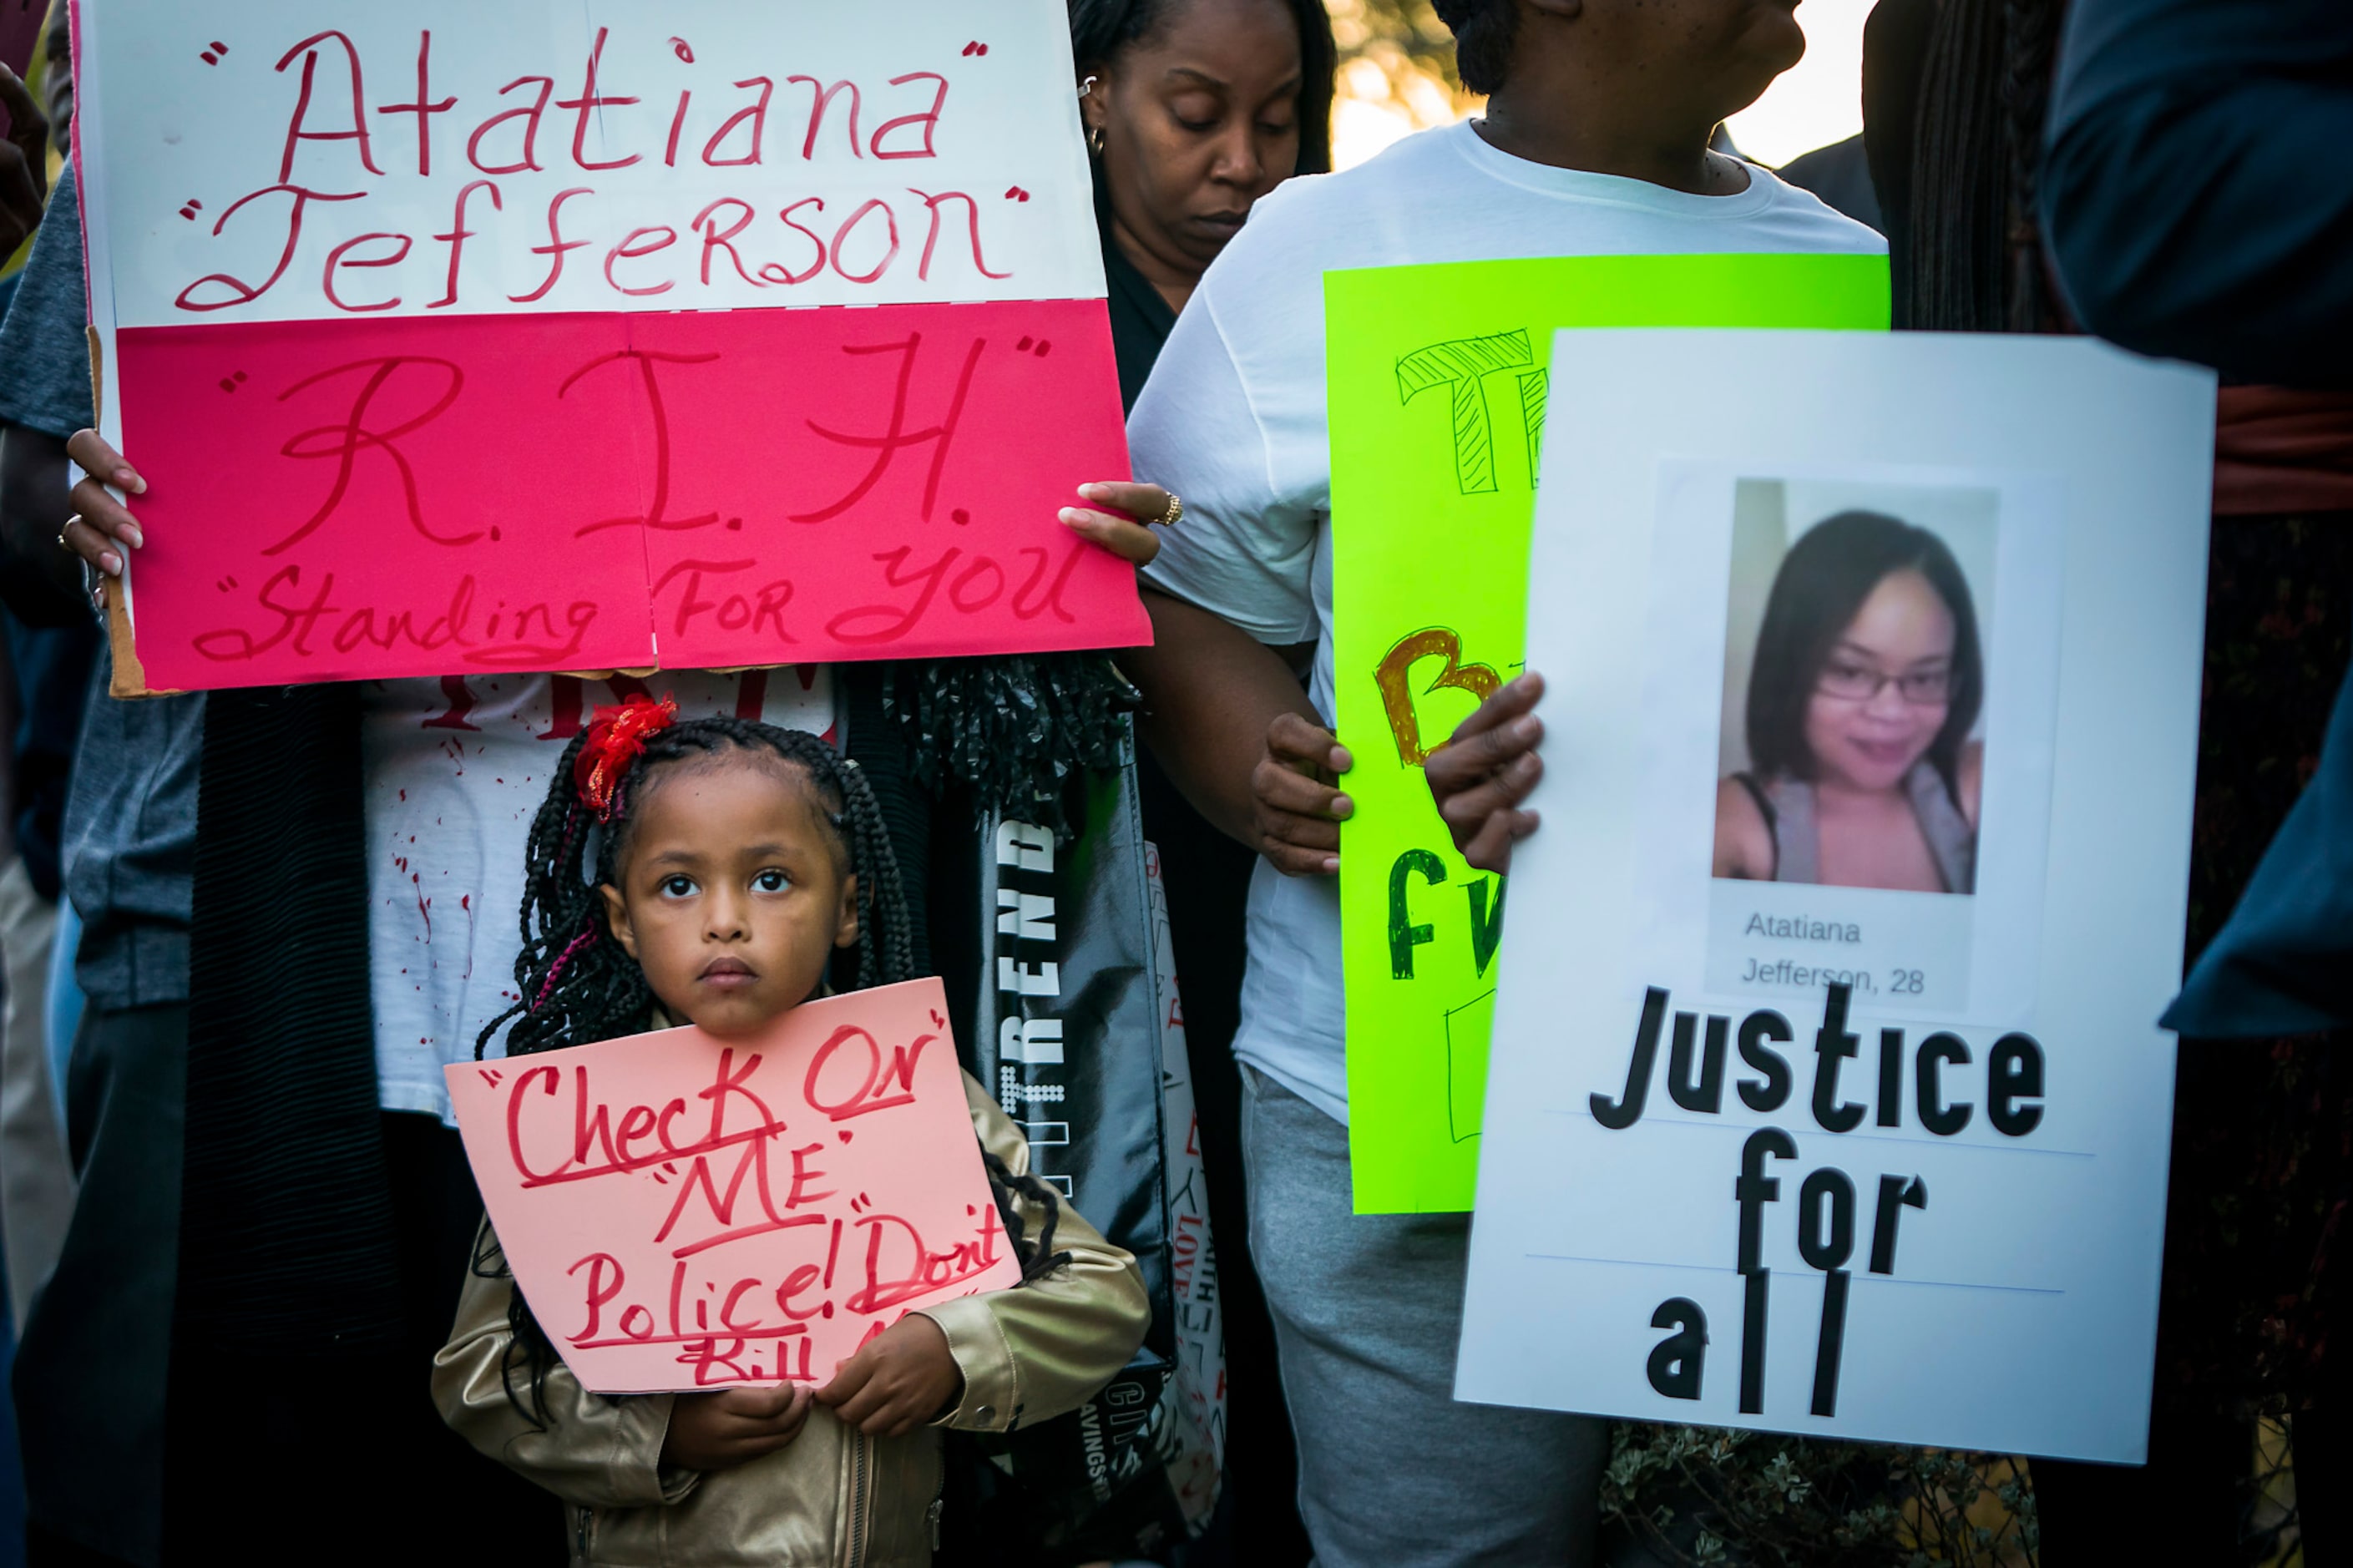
1974 260
575 985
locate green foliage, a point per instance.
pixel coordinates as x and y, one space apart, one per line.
1715 1498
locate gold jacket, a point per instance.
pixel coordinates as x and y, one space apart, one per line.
833 1496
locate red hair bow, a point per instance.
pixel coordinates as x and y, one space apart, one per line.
617 737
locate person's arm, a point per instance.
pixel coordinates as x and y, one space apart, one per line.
1233 583
2191 193
1047 1346
40 584
99 528
45 397
593 1452
1230 722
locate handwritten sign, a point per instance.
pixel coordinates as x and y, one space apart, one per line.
1440 379
460 337
1873 1180
684 1212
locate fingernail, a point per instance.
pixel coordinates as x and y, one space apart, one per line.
1072 514
125 479
1526 727
1331 863
129 534
109 563
1095 492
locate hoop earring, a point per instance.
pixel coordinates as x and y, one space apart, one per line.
1095 136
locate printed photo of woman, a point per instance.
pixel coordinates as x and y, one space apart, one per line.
1863 766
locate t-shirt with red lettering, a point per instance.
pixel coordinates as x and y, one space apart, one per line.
457 769
1233 421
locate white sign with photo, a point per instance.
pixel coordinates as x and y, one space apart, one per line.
1849 834
1827 1094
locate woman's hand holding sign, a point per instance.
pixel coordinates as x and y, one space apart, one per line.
101 527
1131 512
1480 778
1296 796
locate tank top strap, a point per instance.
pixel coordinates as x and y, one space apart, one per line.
1789 807
1952 842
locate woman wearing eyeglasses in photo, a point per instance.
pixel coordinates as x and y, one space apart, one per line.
1868 680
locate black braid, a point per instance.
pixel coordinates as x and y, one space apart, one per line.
562 1001
1975 259
574 984
1038 1258
2030 57
1015 728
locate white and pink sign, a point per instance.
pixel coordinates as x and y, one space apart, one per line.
463 337
684 1211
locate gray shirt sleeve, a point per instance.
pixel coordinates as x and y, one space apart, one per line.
130 844
44 344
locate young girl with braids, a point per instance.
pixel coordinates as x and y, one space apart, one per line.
709 872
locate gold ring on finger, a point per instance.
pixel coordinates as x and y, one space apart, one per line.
65 529
1175 510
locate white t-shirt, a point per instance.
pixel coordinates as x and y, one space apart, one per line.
1233 420
457 769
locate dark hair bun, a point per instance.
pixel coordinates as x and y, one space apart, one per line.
1482 39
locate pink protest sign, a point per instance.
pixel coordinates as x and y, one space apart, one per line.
684 1212
452 339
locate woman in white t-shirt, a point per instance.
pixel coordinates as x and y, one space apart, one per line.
1595 141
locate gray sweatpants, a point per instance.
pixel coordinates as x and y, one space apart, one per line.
1393 1473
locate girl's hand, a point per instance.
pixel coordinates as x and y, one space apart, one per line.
1126 527
904 1378
728 1427
101 527
1295 797
1480 777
